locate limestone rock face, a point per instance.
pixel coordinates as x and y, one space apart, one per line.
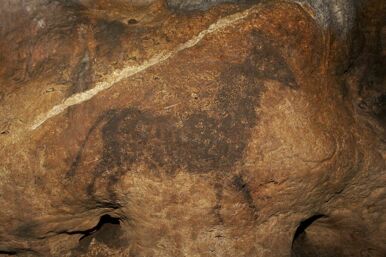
192 128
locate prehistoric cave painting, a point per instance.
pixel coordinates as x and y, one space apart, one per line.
203 142
108 36
242 186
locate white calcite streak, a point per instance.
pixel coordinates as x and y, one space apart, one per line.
121 74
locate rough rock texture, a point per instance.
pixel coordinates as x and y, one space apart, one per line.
149 128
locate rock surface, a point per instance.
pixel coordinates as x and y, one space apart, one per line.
151 128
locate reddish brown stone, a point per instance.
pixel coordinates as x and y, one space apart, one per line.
192 128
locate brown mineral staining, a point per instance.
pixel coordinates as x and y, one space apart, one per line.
192 128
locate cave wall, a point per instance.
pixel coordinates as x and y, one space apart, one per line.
192 128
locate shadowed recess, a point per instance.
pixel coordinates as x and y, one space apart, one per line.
305 224
8 252
108 232
300 246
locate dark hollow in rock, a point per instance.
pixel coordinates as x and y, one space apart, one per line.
8 253
300 236
301 229
107 231
132 21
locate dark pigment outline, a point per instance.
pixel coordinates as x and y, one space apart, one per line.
205 142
